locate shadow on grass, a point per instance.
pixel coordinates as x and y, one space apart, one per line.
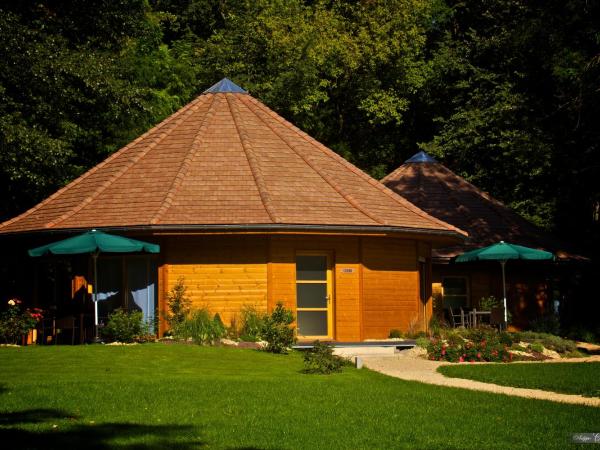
90 436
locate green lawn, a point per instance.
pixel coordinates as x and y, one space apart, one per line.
569 378
158 396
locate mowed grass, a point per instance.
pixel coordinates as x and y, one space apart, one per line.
175 396
568 378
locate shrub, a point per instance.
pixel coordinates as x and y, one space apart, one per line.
422 342
200 327
487 303
178 303
549 341
546 324
396 334
435 325
469 345
320 359
536 347
277 331
253 323
124 326
15 323
584 334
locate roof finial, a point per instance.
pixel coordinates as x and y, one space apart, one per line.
421 157
225 85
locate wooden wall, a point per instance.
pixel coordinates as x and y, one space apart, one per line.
226 272
222 273
390 286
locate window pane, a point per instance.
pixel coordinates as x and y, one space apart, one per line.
455 301
458 285
312 323
311 267
311 295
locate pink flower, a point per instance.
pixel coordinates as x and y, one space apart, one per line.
461 359
479 355
443 351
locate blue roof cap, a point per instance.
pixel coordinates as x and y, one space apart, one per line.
225 85
421 157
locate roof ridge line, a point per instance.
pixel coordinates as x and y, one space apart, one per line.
177 119
185 166
356 205
398 198
97 167
254 167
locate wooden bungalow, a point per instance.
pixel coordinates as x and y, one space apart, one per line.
532 287
249 210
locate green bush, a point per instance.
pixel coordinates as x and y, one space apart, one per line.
536 347
178 304
549 341
396 334
320 359
278 333
487 303
125 326
15 323
469 345
253 323
200 327
422 342
546 324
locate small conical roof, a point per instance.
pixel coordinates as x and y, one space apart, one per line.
226 161
440 192
421 157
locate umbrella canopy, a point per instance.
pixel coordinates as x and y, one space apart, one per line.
95 242
92 242
502 252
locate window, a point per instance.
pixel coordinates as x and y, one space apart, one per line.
455 291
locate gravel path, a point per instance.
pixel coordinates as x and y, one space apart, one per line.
407 366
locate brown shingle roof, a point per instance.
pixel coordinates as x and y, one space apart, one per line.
443 194
225 159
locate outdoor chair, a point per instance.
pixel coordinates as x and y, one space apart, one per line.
66 326
497 317
457 319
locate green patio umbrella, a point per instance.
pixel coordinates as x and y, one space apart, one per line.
95 242
502 252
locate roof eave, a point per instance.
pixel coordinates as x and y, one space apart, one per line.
342 229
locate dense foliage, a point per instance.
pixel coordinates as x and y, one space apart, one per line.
200 327
504 92
321 360
16 322
125 326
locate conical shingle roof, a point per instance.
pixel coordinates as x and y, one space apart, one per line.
440 192
225 160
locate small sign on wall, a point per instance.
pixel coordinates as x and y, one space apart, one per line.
347 270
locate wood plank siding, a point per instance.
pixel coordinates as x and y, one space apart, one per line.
222 273
390 286
375 279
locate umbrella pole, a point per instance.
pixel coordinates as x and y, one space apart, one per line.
95 259
503 263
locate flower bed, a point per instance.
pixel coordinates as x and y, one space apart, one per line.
489 345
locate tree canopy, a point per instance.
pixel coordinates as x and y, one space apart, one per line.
504 92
